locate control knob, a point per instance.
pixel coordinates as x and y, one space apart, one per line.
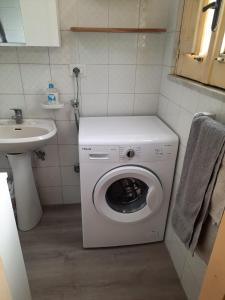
130 153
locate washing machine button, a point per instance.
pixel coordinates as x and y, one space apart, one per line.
130 153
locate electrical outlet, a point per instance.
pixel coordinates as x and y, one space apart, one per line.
81 67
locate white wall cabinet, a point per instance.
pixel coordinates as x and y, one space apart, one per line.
29 23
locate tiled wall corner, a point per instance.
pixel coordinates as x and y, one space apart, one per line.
177 106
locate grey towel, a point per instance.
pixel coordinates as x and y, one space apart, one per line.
204 153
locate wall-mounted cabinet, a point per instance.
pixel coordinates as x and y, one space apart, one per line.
29 23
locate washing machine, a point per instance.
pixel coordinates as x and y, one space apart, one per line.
126 173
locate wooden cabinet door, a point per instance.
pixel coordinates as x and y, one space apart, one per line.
213 287
4 289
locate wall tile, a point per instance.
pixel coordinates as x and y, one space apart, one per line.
69 176
123 13
154 13
188 100
71 194
121 78
175 15
68 52
178 254
34 109
62 79
171 48
151 48
208 104
93 13
8 55
146 104
162 107
148 79
191 288
121 104
50 195
68 13
94 105
35 78
68 155
33 55
67 133
184 125
93 48
198 267
122 48
10 80
172 115
47 177
66 113
51 157
96 81
10 101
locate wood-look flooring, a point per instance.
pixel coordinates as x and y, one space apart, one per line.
60 269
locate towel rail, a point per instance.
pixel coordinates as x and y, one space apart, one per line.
206 114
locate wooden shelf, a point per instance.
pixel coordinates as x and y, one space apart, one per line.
121 30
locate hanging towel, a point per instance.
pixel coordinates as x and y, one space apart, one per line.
205 151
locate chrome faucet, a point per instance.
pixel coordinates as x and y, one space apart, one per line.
18 115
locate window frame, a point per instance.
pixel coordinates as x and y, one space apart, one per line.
206 69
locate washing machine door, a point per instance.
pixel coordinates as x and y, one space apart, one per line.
128 194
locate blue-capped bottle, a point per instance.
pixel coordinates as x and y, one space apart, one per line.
52 93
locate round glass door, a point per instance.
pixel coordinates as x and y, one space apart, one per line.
128 194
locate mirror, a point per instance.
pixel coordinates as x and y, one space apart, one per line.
11 22
29 23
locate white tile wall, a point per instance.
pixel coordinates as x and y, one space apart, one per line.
123 48
93 48
93 13
177 106
122 78
148 78
94 105
154 13
124 13
35 78
10 82
123 72
121 104
33 55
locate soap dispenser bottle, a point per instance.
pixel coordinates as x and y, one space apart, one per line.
53 95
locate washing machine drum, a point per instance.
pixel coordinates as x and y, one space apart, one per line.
128 194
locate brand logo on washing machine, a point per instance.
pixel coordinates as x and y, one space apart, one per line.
86 148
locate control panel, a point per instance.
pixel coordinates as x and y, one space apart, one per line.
128 153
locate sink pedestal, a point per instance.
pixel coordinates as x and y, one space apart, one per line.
28 207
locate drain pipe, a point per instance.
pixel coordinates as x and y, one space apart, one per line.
75 102
76 106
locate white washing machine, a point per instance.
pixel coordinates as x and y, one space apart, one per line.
126 171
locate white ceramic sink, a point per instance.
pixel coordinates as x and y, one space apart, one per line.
25 137
18 141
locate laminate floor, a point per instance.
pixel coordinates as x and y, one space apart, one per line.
60 269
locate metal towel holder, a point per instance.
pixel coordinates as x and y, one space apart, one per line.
206 114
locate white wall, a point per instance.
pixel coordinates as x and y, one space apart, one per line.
123 78
177 106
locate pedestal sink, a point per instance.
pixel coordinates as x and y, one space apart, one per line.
18 141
